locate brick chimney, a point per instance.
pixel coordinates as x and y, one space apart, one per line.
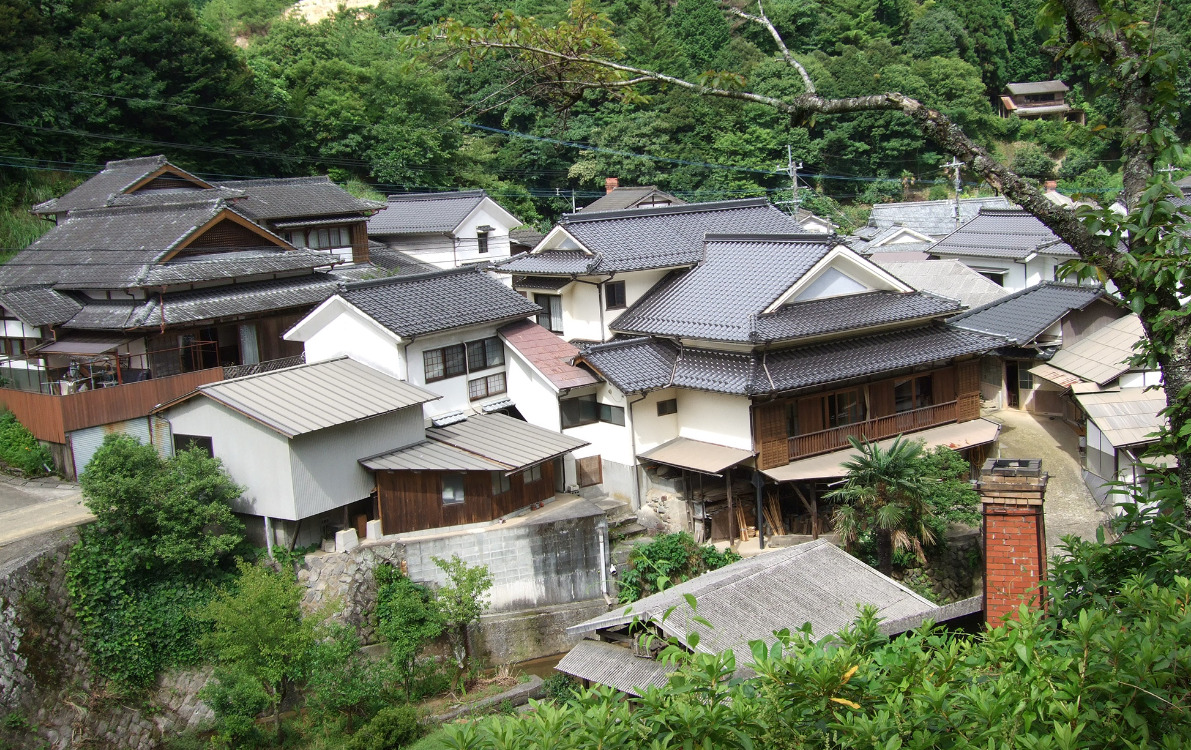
1011 495
610 184
1052 186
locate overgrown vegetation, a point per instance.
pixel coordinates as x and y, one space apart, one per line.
164 539
20 450
665 561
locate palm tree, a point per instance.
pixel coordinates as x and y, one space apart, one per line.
883 494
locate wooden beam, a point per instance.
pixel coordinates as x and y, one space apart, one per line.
731 509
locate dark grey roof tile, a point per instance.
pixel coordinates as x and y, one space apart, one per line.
392 259
1023 315
623 198
240 299
932 218
424 213
633 365
426 303
115 178
1002 233
38 306
851 312
292 197
570 262
231 265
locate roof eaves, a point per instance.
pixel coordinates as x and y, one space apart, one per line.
630 213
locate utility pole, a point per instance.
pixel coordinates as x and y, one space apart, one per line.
956 164
791 169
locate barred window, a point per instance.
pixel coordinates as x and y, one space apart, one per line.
487 386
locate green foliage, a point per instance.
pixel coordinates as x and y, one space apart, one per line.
665 561
163 539
561 687
947 491
343 681
1031 160
702 33
937 33
19 192
242 17
408 619
20 450
461 601
392 728
237 699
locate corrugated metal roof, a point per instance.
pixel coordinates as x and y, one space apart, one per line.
1039 87
431 456
1101 356
1024 315
505 440
1126 417
1055 375
816 583
615 666
709 458
315 396
830 465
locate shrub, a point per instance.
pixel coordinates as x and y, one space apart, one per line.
391 729
668 559
408 619
237 699
1032 161
19 449
560 687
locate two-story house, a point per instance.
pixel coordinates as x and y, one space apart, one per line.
1040 99
768 354
594 265
445 230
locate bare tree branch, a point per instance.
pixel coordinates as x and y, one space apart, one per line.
763 19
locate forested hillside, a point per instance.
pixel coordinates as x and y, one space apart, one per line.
230 87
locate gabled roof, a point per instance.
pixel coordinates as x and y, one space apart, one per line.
1104 355
645 238
933 218
1002 233
115 178
106 248
646 364
631 197
229 266
948 278
311 397
527 237
1024 315
288 197
548 353
1040 87
415 305
725 296
483 442
427 213
816 583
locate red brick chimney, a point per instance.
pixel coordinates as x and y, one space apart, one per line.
1011 495
1052 186
610 184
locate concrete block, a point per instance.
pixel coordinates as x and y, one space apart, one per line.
373 530
328 545
346 540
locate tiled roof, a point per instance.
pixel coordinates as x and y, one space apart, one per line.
948 278
636 365
547 283
425 303
115 178
424 213
849 313
628 197
1023 315
1002 233
38 306
289 197
644 238
241 299
548 353
232 265
526 237
933 218
170 196
735 281
392 259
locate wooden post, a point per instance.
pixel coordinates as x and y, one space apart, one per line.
731 509
814 513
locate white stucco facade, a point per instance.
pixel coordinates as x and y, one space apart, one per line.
462 245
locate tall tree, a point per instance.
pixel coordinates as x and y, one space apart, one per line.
1144 253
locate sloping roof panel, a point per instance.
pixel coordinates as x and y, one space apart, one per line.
289 197
116 177
1126 417
698 455
505 440
1055 375
630 197
548 353
1104 355
932 218
430 455
414 305
1024 315
634 365
424 213
230 265
948 278
615 666
1039 87
1002 233
38 306
238 299
310 397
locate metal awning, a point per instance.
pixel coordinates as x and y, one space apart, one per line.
829 465
615 666
1129 416
82 347
696 455
1056 376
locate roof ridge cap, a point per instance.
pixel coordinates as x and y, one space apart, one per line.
582 216
368 283
446 194
829 238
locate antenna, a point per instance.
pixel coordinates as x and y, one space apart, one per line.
956 164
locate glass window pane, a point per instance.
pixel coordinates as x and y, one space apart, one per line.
454 360
496 383
495 351
922 391
432 364
452 489
475 355
612 414
477 388
903 395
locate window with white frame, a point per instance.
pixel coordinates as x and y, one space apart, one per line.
321 238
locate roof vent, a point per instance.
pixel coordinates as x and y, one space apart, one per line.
504 403
450 418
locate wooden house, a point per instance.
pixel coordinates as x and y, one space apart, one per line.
1041 99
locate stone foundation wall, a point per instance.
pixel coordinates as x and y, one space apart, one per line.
957 571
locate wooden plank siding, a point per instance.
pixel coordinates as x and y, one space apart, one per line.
412 500
50 417
954 397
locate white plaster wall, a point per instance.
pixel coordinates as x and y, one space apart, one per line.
348 332
610 441
715 418
636 285
652 430
255 456
447 251
1015 276
453 390
536 399
581 313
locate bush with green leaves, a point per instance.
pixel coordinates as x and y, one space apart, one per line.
460 602
164 538
20 450
668 559
343 682
237 699
1108 667
408 619
392 728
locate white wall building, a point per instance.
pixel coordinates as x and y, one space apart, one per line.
446 230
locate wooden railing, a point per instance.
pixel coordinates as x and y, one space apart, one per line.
824 441
51 417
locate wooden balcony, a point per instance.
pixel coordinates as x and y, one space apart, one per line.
836 438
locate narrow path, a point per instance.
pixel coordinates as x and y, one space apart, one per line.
32 507
1070 507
